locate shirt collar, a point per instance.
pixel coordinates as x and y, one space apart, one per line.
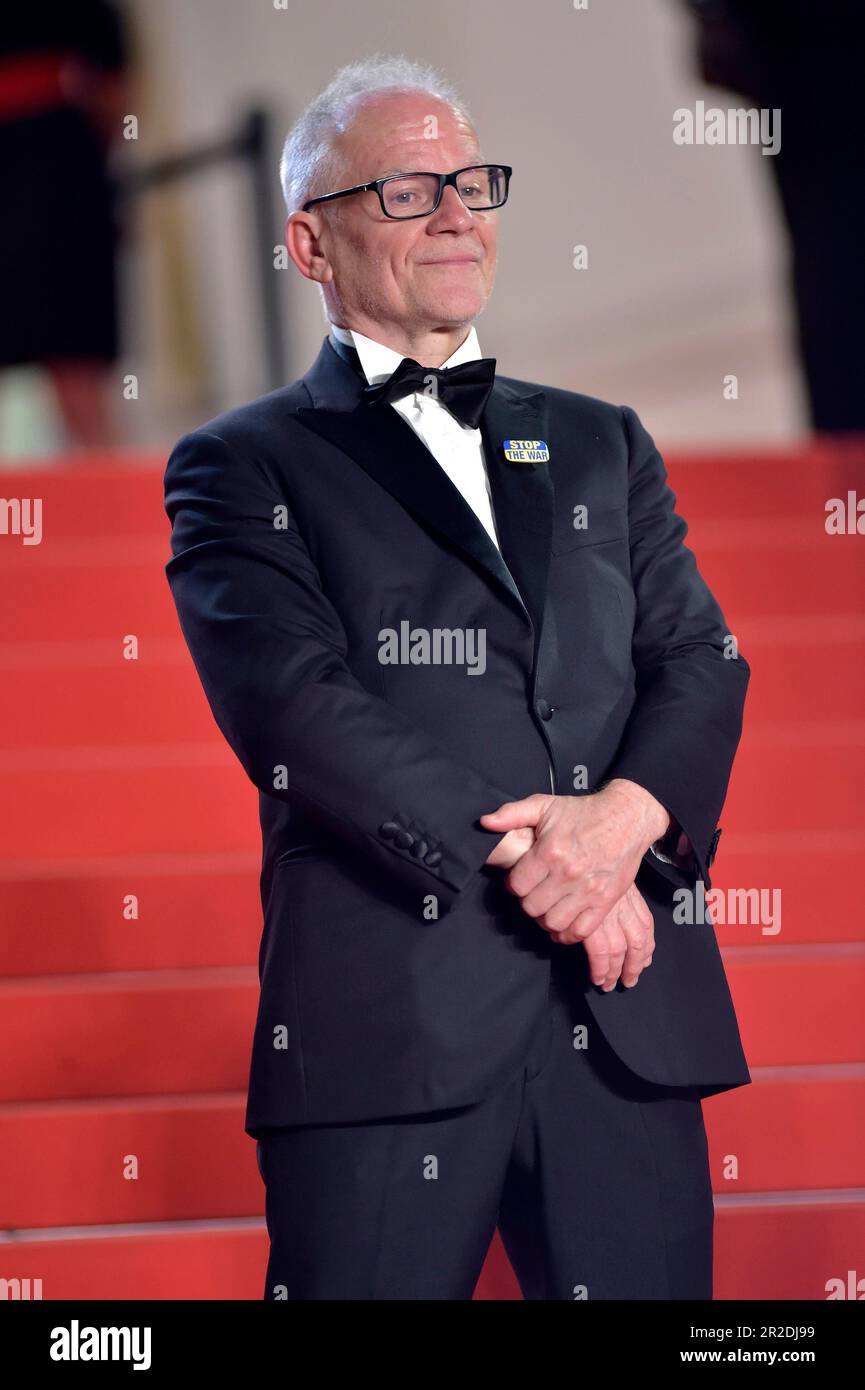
380 362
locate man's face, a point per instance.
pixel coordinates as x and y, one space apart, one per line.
420 274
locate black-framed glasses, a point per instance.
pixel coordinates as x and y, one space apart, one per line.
480 186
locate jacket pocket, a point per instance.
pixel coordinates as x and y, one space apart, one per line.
603 525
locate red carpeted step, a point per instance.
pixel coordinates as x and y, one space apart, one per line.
101 601
208 1015
198 798
774 1135
206 909
88 601
812 582
754 484
121 497
757 563
784 871
209 1261
789 1249
192 910
151 1033
798 1004
63 1163
117 769
812 779
792 678
773 1247
139 801
67 1163
105 700
792 1248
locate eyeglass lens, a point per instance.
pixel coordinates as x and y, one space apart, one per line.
413 194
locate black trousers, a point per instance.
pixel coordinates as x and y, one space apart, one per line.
597 1180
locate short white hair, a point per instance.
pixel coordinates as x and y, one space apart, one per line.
307 155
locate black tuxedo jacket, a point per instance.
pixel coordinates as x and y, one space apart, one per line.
397 972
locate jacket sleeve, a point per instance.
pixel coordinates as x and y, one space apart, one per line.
683 731
270 651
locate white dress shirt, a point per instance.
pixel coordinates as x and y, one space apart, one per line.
456 447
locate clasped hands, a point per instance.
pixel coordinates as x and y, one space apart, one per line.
572 862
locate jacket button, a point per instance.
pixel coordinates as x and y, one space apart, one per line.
544 709
389 829
434 858
419 848
404 839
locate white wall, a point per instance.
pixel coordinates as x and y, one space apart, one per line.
686 253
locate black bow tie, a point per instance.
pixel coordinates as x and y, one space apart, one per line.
464 390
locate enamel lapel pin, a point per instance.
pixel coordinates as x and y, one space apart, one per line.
526 451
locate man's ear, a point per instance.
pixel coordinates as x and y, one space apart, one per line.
302 233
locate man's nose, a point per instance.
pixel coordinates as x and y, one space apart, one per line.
452 211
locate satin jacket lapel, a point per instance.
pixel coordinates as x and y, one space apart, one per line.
382 443
522 493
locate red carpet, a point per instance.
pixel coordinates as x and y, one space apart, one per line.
125 1031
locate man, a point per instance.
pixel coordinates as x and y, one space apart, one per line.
448 623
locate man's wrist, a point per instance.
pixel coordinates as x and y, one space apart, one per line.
656 818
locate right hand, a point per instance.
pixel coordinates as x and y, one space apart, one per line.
623 944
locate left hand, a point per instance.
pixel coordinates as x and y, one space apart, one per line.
586 853
623 945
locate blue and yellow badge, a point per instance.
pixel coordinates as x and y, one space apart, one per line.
526 451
